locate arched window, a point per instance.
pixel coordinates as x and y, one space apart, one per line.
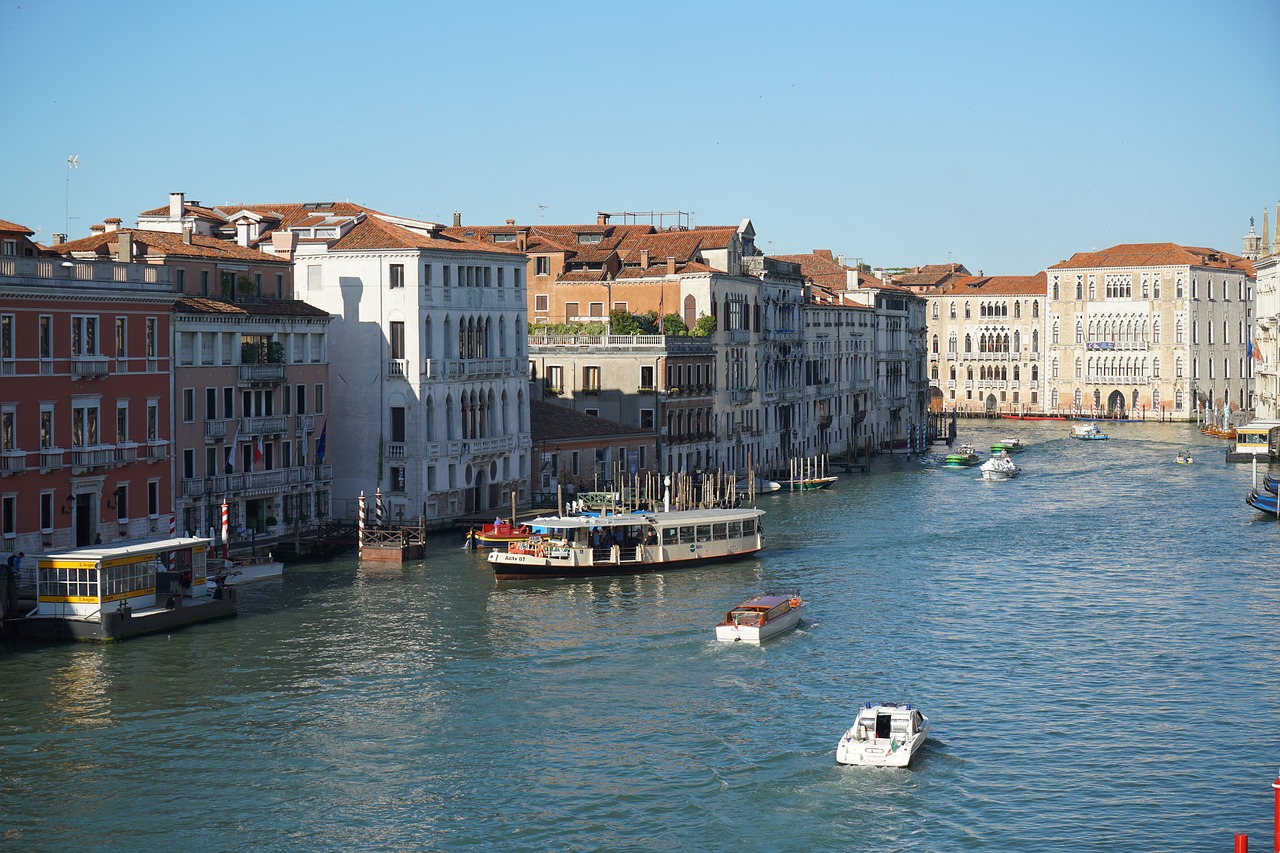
1017 310
1054 328
968 344
1017 341
967 314
1035 373
953 310
1017 374
1079 368
953 373
1054 374
1035 309
1079 332
935 309
935 346
1035 340
1155 369
951 343
1055 291
934 372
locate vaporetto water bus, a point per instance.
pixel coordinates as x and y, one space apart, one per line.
631 543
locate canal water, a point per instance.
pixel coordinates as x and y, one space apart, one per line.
1095 643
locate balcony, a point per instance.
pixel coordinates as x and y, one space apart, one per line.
12 462
88 367
1102 379
469 368
96 457
492 444
126 453
215 430
8 367
1117 346
157 450
305 423
741 396
264 426
395 450
591 391
397 368
260 374
51 459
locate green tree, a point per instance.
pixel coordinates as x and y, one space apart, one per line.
705 326
648 322
623 323
673 325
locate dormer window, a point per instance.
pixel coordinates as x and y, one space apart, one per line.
584 239
504 238
326 233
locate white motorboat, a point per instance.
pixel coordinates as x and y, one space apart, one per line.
761 487
760 618
249 569
1088 432
884 735
999 467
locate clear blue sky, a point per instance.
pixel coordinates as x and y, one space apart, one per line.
1005 136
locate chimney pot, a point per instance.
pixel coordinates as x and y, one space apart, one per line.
521 241
511 222
59 239
97 229
124 248
242 232
671 265
186 236
457 219
644 259
112 224
177 205
602 218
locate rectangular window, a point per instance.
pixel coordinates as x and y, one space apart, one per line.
122 335
319 408
591 380
153 498
573 463
188 405
211 462
595 309
7 421
84 424
397 339
555 378
188 463
397 478
46 512
516 278
501 276
426 275
153 422
542 265
397 424
84 336
571 310
6 336
204 282
541 303
46 337
9 516
122 423
313 277
151 337
46 428
180 280
646 378
279 285
228 403
397 276
447 273
210 404
646 423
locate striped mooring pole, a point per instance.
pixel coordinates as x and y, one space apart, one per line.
360 523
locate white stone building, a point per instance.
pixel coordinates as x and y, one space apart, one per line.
1149 329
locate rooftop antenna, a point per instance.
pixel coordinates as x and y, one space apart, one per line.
73 162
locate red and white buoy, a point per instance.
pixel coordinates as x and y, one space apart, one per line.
225 541
1275 845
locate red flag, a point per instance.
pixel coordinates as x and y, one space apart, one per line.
257 451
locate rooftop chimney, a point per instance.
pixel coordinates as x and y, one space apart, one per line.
671 265
59 239
457 219
124 249
242 232
644 259
521 240
112 224
602 218
97 229
186 236
511 222
177 205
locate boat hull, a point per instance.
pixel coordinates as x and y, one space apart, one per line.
242 573
756 634
1264 502
544 569
999 476
879 752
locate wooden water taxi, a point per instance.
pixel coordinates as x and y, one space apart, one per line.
760 618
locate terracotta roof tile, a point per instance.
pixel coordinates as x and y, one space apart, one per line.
549 422
1151 255
375 233
996 285
256 307
168 244
14 228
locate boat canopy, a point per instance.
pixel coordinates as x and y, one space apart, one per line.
693 516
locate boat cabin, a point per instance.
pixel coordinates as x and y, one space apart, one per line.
85 582
761 610
1260 439
888 721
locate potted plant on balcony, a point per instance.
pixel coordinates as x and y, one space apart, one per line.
272 526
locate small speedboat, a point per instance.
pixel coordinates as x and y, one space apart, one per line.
884 735
760 487
761 618
1008 445
999 467
963 457
499 533
1088 432
807 484
248 569
1185 459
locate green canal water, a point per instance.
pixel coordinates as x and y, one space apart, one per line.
1095 643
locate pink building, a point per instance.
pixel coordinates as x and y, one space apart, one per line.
85 403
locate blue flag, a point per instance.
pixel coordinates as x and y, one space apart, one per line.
320 444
